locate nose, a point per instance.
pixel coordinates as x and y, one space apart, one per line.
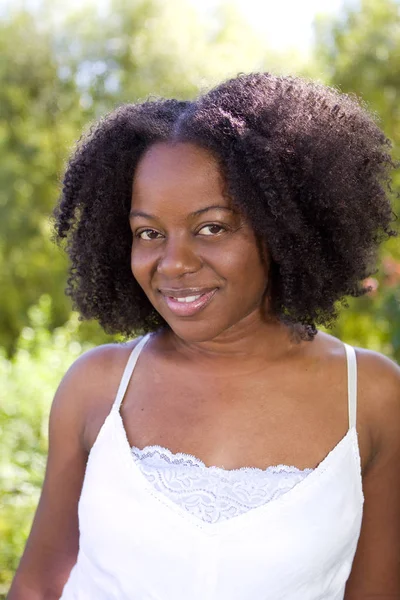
178 258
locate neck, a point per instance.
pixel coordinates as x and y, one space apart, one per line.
245 343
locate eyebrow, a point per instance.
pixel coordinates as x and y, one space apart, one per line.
139 213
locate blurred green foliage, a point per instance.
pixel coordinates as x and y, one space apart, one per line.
59 71
359 53
27 386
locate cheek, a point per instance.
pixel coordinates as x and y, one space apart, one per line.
141 265
245 268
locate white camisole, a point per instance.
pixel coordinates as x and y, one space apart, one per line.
140 541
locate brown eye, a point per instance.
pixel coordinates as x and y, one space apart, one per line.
213 229
148 234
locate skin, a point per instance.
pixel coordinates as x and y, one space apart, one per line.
210 247
228 385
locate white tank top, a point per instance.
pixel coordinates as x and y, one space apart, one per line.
136 543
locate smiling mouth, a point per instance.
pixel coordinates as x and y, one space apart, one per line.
185 305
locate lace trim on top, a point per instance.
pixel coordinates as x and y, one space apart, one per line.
213 493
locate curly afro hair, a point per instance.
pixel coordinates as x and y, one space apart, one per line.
307 166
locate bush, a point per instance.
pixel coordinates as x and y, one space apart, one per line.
28 383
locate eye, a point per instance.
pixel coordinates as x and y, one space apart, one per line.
148 234
213 229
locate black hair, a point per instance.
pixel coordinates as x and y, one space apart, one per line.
309 167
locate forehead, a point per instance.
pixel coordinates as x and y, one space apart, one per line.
179 171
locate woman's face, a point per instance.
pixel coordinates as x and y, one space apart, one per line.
195 257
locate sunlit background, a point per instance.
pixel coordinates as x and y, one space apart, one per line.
63 64
284 24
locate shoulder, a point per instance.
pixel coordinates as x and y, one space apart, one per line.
101 360
91 383
99 366
379 390
378 379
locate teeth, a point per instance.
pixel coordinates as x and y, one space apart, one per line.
188 298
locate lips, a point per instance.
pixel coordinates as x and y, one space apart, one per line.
186 303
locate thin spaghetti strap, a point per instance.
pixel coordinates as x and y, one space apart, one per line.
351 384
130 365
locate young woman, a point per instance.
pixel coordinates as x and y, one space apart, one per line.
233 452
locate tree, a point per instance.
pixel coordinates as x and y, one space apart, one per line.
359 52
34 109
58 73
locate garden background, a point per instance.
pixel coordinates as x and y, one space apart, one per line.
60 70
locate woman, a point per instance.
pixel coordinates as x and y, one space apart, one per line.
223 455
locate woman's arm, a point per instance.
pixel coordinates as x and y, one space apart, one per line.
52 546
87 389
375 574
